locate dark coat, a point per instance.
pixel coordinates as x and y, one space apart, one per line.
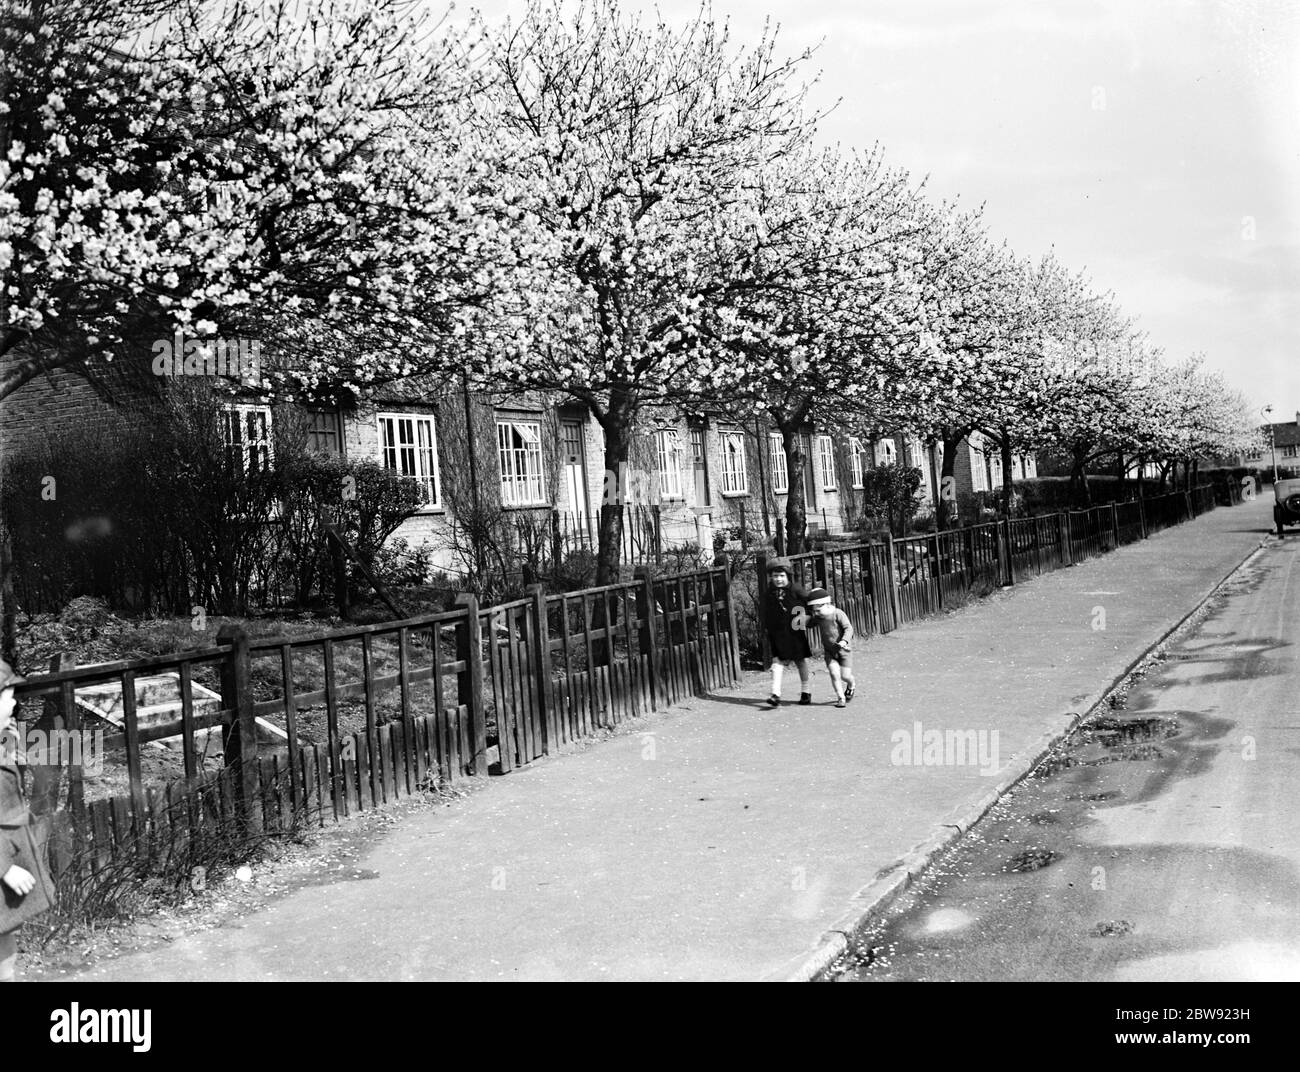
19 846
787 643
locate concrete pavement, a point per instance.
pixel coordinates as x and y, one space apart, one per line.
722 839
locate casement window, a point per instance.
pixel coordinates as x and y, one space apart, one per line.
777 463
915 454
886 452
246 433
1289 451
1031 467
979 478
408 446
519 447
734 478
826 461
668 453
324 432
857 457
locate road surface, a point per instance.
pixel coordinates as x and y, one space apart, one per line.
1163 845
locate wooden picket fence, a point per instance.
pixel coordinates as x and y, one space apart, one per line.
398 707
884 584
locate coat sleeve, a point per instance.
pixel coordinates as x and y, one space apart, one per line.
8 852
846 628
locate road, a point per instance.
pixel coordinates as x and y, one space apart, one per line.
1162 845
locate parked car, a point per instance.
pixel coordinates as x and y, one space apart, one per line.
1286 510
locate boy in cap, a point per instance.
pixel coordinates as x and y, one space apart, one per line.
837 633
783 621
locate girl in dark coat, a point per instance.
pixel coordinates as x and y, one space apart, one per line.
786 628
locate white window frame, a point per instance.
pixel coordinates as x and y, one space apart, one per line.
915 453
826 461
886 452
523 481
423 460
1031 467
246 444
857 452
979 480
735 479
668 456
777 461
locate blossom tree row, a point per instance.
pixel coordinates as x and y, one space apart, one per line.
632 212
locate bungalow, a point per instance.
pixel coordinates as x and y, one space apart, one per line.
536 462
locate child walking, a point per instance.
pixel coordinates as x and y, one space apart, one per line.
783 621
837 633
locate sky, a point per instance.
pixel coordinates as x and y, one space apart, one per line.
1155 143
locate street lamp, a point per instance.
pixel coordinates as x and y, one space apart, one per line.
1272 440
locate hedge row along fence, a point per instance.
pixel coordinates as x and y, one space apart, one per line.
456 695
445 697
885 584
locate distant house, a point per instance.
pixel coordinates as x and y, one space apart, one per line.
1283 438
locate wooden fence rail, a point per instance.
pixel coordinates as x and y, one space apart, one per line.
883 584
256 735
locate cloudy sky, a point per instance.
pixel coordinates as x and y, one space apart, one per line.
1154 142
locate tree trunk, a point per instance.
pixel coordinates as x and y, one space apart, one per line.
947 509
796 509
1008 490
1079 493
934 481
617 426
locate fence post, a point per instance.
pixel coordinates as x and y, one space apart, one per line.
891 562
47 772
723 561
1142 515
239 736
1114 525
938 570
1004 548
760 564
469 683
542 661
1067 553
647 636
826 569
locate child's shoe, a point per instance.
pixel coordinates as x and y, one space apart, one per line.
774 700
805 698
848 691
841 702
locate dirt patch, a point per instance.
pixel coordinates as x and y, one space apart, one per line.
1033 859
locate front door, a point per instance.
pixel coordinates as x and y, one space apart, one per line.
575 478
